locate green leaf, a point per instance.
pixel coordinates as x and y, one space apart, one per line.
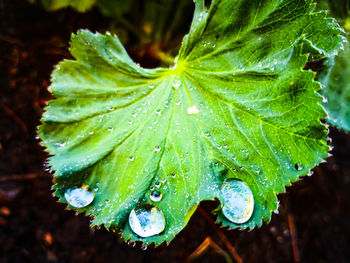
79 5
336 76
237 104
336 80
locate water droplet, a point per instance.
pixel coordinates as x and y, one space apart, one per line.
146 220
238 201
207 134
144 247
310 173
156 196
298 166
193 110
79 197
157 149
91 132
61 145
131 243
131 158
151 86
176 83
200 17
110 129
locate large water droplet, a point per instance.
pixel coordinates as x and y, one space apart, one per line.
146 220
79 197
238 201
156 196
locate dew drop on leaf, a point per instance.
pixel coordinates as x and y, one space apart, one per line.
298 166
193 110
238 201
79 197
146 220
144 247
176 83
156 196
61 145
157 149
131 243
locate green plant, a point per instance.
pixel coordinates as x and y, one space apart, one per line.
234 118
336 75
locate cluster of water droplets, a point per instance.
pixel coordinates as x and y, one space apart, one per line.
238 200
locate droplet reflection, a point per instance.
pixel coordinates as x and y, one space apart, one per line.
238 201
156 196
79 197
146 220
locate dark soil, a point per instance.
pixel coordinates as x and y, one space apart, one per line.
35 228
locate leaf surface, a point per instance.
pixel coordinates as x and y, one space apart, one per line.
336 76
236 104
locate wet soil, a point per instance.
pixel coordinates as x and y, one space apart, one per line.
314 216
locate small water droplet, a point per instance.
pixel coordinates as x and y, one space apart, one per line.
200 17
156 196
151 86
176 83
131 243
238 204
157 149
131 158
146 220
110 129
310 173
207 134
144 247
61 145
298 166
79 197
193 110
91 132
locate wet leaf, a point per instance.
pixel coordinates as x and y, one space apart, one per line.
237 104
336 75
